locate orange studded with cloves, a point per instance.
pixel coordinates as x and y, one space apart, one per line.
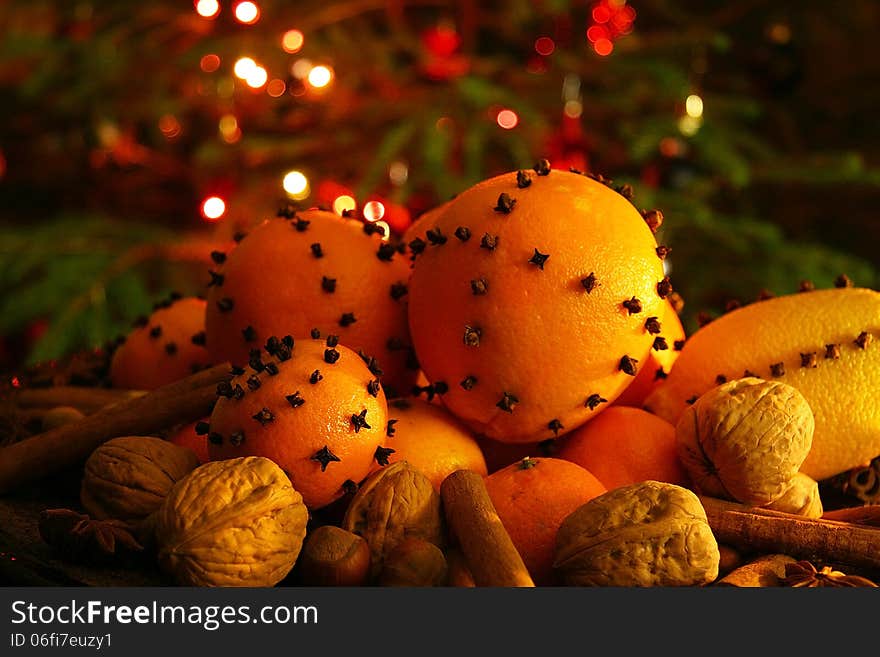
314 270
544 311
311 406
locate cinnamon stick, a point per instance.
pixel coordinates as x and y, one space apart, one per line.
489 552
762 530
85 399
44 454
860 515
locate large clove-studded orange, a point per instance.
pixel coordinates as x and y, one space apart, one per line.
567 272
313 270
312 408
166 346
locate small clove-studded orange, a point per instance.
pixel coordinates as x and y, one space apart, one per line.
169 345
313 270
314 408
542 308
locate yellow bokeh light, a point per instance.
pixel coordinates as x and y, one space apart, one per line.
343 203
573 109
247 12
292 41
257 77
386 230
296 184
374 210
320 76
689 125
693 105
207 8
243 67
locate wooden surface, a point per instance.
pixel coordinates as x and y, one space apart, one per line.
26 560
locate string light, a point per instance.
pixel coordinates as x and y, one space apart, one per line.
507 119
343 203
300 68
693 105
247 13
398 173
243 67
688 125
545 46
573 109
207 8
292 41
296 184
257 77
229 129
170 126
374 210
213 208
276 88
209 63
320 76
386 230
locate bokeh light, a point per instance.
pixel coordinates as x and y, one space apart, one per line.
170 126
398 173
243 67
693 105
603 47
320 76
213 208
689 125
300 68
545 46
386 230
292 41
247 13
207 8
344 202
257 77
209 63
573 109
296 184
229 129
374 210
276 88
507 119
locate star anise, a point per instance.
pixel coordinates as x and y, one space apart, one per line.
80 538
803 574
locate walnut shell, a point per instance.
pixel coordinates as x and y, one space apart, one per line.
646 534
237 522
391 504
801 498
744 440
128 478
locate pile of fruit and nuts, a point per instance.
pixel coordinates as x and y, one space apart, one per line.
504 396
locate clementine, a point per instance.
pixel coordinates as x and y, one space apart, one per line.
532 497
625 446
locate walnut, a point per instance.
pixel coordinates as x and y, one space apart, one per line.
646 534
800 498
128 478
237 522
744 440
393 503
